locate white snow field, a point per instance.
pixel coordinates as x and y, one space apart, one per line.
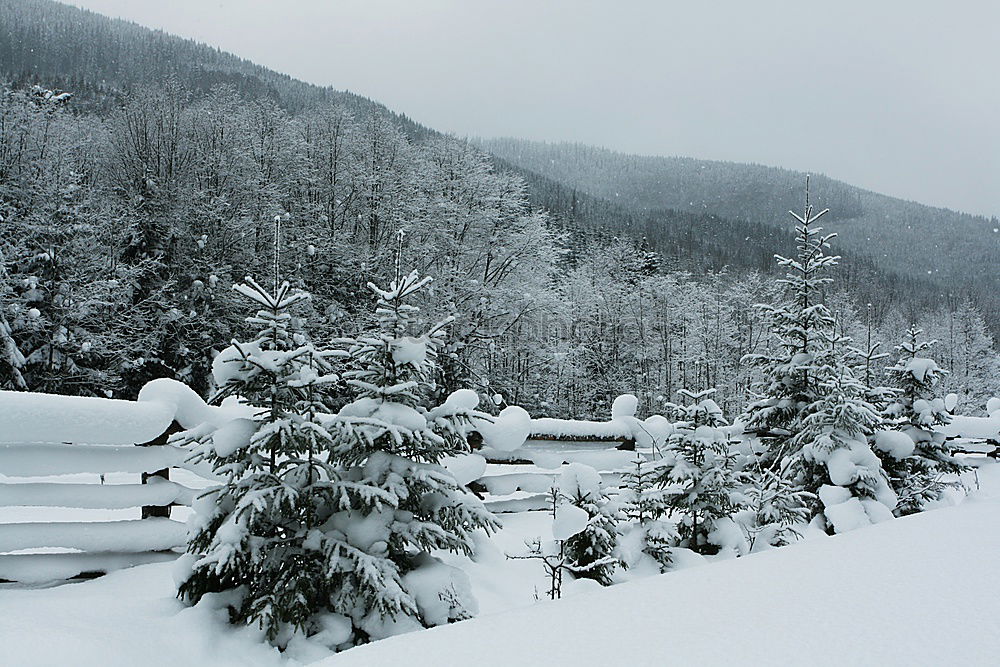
920 590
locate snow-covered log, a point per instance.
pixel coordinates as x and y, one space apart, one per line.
43 568
32 417
95 496
546 428
533 503
28 460
532 482
977 428
131 536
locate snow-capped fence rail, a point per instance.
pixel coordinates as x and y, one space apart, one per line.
518 474
64 452
976 435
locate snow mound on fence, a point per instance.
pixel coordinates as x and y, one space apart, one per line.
27 417
188 408
31 417
508 431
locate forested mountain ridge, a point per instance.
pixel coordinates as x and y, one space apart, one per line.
957 252
101 60
702 242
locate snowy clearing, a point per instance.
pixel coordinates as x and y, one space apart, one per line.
866 597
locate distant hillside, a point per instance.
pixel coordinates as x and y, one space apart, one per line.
956 251
100 59
592 194
700 241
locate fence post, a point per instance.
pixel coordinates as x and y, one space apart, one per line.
628 445
150 511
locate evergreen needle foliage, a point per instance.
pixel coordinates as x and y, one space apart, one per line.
255 535
920 476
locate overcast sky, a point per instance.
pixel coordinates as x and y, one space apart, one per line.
902 97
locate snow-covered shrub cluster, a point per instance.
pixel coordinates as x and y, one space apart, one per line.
328 521
822 430
914 454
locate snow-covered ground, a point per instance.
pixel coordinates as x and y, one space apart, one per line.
913 591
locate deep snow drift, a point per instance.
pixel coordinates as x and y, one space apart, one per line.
917 590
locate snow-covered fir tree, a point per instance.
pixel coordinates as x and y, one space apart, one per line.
915 455
396 504
834 461
699 477
259 535
591 552
799 327
644 504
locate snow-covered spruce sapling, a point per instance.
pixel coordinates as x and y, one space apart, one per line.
256 535
645 505
913 453
789 383
568 522
591 551
774 508
699 478
834 460
396 503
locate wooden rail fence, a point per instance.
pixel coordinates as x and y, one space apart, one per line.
100 458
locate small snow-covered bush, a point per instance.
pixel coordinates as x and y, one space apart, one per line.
916 456
590 550
698 476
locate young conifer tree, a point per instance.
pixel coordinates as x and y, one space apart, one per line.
591 552
790 382
817 414
645 505
775 509
698 473
918 472
256 536
398 504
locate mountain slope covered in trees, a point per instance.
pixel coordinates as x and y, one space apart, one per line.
103 61
920 242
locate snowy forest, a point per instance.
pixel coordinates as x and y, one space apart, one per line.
292 378
123 233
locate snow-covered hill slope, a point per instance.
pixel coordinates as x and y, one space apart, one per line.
921 590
